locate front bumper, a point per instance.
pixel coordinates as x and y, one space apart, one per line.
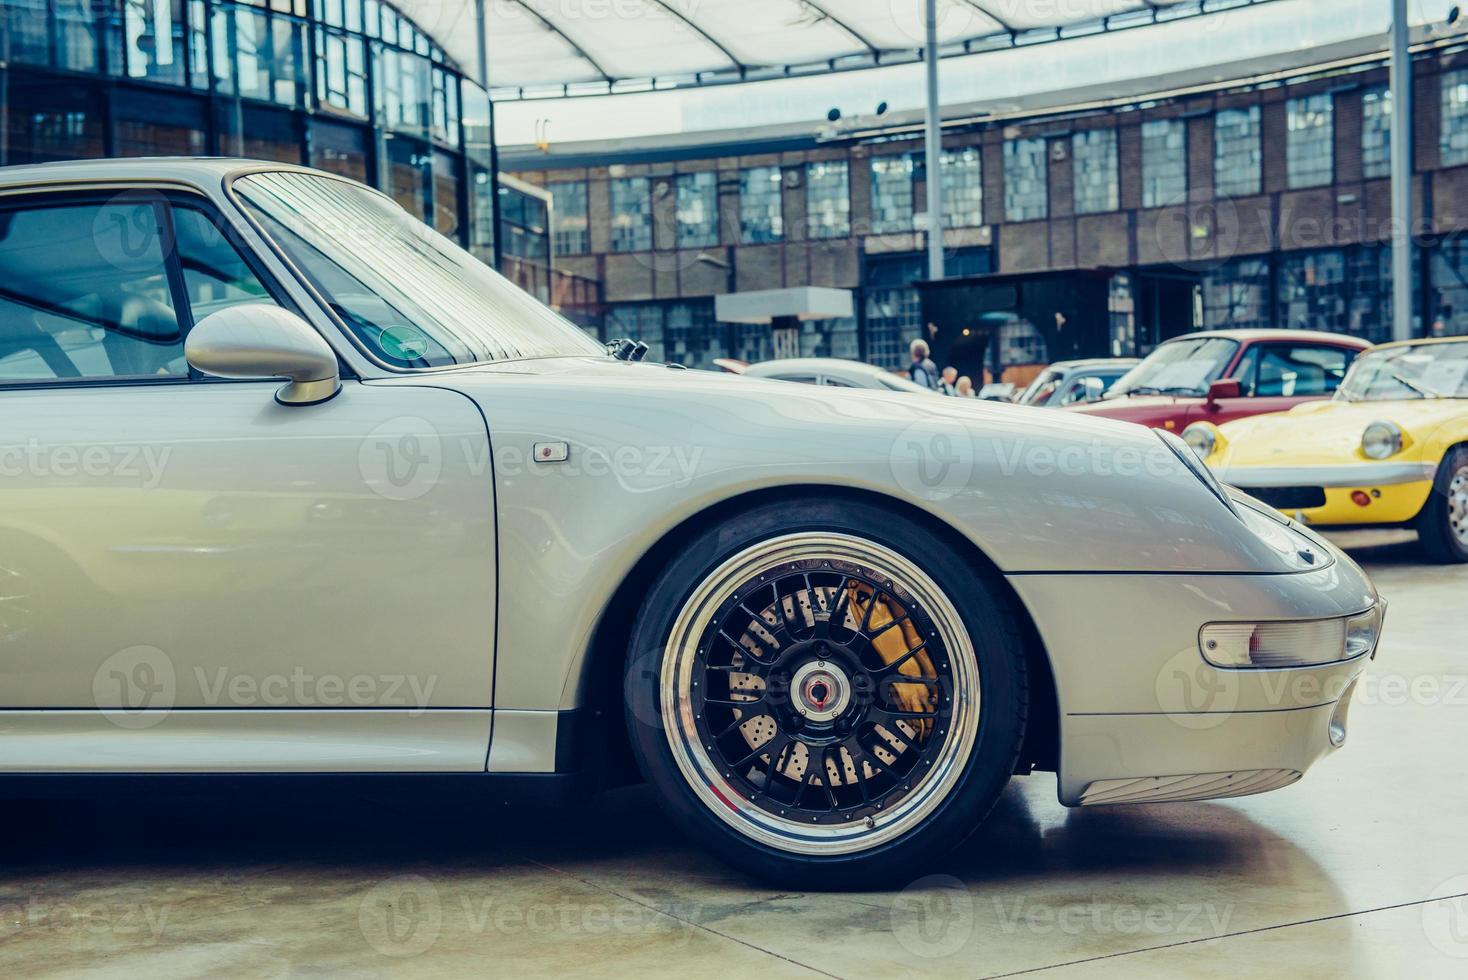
1143 717
1396 492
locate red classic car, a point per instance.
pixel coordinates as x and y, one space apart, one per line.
1222 375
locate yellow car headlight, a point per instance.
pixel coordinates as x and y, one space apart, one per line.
1381 440
1201 438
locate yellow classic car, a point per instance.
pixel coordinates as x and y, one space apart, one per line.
1391 448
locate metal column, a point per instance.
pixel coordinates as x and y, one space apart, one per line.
934 148
1401 83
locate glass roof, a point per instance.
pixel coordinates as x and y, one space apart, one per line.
538 48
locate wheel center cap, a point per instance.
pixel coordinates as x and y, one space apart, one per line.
821 690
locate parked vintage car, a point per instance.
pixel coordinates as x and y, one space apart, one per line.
1221 375
295 485
1071 382
833 372
1390 449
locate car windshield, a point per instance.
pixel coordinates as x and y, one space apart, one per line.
412 297
1040 390
1415 371
1178 367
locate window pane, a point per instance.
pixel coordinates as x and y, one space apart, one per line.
215 275
1238 158
339 148
1236 295
1454 137
892 194
23 23
46 122
153 40
1310 149
1290 372
1164 162
411 296
86 295
408 175
1026 180
963 188
696 211
631 214
1376 133
827 199
1094 152
446 193
570 227
761 217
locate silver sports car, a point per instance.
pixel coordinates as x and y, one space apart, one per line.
294 485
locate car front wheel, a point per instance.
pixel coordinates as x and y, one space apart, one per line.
1443 526
826 694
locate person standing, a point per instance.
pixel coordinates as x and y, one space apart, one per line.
964 388
950 380
922 370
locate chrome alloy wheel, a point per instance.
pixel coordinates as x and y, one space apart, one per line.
820 693
1458 504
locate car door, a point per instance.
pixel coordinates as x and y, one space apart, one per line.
193 576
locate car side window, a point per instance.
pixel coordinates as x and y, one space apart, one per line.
831 382
804 379
1247 372
215 274
84 292
1290 370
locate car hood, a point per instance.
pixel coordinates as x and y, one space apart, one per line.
1328 432
650 446
1133 409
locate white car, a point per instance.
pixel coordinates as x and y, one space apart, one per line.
833 372
294 485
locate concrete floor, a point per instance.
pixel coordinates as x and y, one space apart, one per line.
1358 871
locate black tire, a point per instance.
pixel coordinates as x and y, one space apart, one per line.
972 786
1442 542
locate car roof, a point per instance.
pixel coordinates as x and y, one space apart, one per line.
815 365
1275 333
1422 342
194 170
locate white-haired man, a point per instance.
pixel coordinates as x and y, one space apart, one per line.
922 370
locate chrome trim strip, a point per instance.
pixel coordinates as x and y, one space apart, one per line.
1362 475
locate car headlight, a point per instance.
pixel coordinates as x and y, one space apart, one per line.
1381 440
1190 459
1305 643
1201 438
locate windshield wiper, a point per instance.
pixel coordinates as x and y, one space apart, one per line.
1421 389
1153 390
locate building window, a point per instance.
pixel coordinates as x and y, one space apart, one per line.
827 199
963 188
1026 180
151 41
1450 289
1454 139
894 314
1164 162
691 335
1236 295
761 218
1094 152
696 210
631 215
639 321
892 194
829 338
341 72
403 89
1310 143
1237 157
1376 133
1312 293
570 228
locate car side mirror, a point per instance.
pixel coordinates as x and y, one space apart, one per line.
259 340
1092 389
1224 388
